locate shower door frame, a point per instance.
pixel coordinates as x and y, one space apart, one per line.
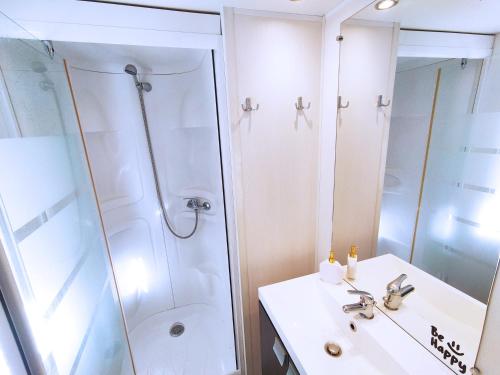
157 27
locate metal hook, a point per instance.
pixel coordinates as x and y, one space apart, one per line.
381 104
248 106
339 103
300 104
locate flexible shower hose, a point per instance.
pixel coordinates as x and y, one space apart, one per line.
155 174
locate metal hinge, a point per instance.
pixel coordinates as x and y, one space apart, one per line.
49 47
339 38
463 63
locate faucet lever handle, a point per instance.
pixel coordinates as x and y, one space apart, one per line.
395 284
362 294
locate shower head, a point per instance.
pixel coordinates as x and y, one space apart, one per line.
130 69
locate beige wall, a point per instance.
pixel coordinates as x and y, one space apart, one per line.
275 151
367 69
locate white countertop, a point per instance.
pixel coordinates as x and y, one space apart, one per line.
306 313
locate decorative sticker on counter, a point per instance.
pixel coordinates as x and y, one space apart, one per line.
449 350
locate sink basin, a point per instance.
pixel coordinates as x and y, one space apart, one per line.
456 316
307 313
358 343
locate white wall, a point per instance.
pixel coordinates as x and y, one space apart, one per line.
273 60
487 360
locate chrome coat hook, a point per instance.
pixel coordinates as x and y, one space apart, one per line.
339 103
300 104
248 106
381 104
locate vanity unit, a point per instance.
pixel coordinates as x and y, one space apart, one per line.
275 357
300 317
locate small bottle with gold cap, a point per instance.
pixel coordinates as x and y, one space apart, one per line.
352 262
330 270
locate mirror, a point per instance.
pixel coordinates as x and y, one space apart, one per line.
417 170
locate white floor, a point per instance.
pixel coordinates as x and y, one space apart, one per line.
198 351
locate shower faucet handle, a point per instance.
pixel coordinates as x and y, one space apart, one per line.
196 203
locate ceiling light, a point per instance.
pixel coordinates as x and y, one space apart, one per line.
386 4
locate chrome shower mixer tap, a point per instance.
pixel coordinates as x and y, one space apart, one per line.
198 204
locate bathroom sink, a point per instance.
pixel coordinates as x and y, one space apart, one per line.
352 331
307 313
455 315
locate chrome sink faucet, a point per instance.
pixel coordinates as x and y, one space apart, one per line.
364 306
396 293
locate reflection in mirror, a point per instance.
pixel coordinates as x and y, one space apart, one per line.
417 181
440 175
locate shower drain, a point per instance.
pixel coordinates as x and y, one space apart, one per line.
176 329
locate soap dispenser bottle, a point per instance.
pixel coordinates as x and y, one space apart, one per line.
330 270
352 262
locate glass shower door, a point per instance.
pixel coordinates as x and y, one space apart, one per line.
56 272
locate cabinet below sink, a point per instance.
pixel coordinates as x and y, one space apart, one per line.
274 356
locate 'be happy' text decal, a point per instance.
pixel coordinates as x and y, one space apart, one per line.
449 350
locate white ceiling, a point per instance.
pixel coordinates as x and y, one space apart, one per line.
473 16
309 7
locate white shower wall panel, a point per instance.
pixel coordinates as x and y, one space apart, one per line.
183 120
182 115
112 124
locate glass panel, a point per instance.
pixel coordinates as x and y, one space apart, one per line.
457 220
440 207
411 114
49 222
458 228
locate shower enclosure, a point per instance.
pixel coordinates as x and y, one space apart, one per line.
153 154
137 129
